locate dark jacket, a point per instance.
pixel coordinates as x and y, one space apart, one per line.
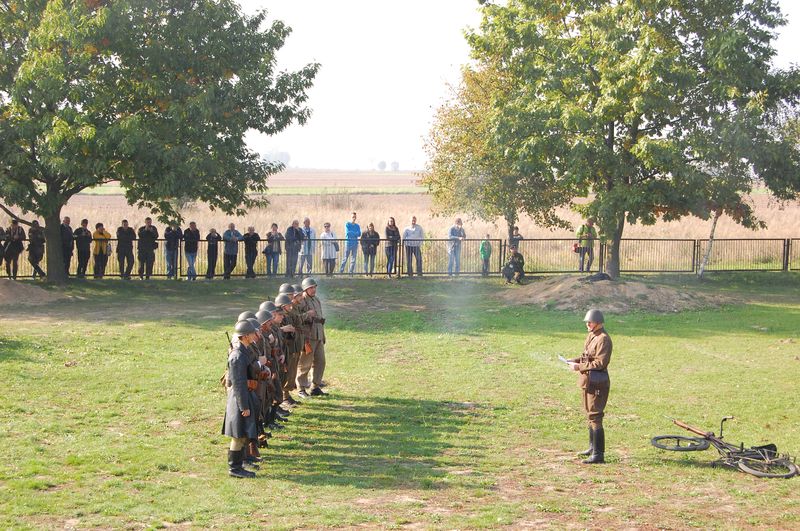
36 242
213 243
147 238
392 236
15 238
67 239
125 238
251 243
83 239
273 243
294 238
370 241
190 239
173 237
239 398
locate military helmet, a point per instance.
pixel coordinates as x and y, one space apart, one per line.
253 321
245 315
285 288
267 306
308 282
263 316
283 299
595 316
243 328
297 288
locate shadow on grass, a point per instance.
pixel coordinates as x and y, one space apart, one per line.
373 442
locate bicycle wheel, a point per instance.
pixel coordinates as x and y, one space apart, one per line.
775 468
679 443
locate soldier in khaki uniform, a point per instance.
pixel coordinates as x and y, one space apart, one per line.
292 344
313 356
594 381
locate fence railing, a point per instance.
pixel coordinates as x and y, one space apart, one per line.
440 257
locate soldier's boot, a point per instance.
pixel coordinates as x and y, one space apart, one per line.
235 468
588 451
598 448
252 453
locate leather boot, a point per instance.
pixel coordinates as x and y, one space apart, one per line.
252 452
235 469
588 451
598 448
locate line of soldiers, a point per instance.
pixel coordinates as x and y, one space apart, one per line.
273 353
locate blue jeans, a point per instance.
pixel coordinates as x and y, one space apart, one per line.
454 262
191 274
172 259
349 251
391 256
369 263
272 264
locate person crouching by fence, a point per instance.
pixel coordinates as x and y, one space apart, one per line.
514 270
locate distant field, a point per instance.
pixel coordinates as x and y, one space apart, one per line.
332 195
311 182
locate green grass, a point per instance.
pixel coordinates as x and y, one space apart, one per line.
447 409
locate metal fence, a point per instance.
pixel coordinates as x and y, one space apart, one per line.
541 256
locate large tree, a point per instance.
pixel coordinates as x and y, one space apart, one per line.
470 169
154 94
638 94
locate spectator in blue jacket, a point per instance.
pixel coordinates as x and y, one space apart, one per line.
231 237
352 231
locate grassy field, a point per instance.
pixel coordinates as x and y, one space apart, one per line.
446 410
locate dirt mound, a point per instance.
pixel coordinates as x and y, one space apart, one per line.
15 293
619 296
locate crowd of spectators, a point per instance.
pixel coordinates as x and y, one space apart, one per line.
299 243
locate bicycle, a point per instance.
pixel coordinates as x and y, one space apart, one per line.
760 461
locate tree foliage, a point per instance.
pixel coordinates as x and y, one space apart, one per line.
154 94
653 108
469 171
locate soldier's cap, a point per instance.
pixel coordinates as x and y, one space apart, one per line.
283 299
267 306
308 282
243 328
245 315
263 316
285 288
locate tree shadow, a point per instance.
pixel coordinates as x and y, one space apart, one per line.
373 442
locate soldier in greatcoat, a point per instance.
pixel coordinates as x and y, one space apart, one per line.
313 357
240 423
594 381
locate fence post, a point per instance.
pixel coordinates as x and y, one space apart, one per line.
787 247
401 257
179 268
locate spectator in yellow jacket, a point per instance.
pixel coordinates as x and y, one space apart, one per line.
101 249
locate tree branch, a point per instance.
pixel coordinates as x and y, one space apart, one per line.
13 215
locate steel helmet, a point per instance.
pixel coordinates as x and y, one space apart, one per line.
595 316
297 288
267 306
246 315
285 288
283 299
243 328
308 282
253 321
263 316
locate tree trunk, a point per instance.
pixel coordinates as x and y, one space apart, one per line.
53 254
612 268
511 220
707 255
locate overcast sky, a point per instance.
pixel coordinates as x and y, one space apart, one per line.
385 69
